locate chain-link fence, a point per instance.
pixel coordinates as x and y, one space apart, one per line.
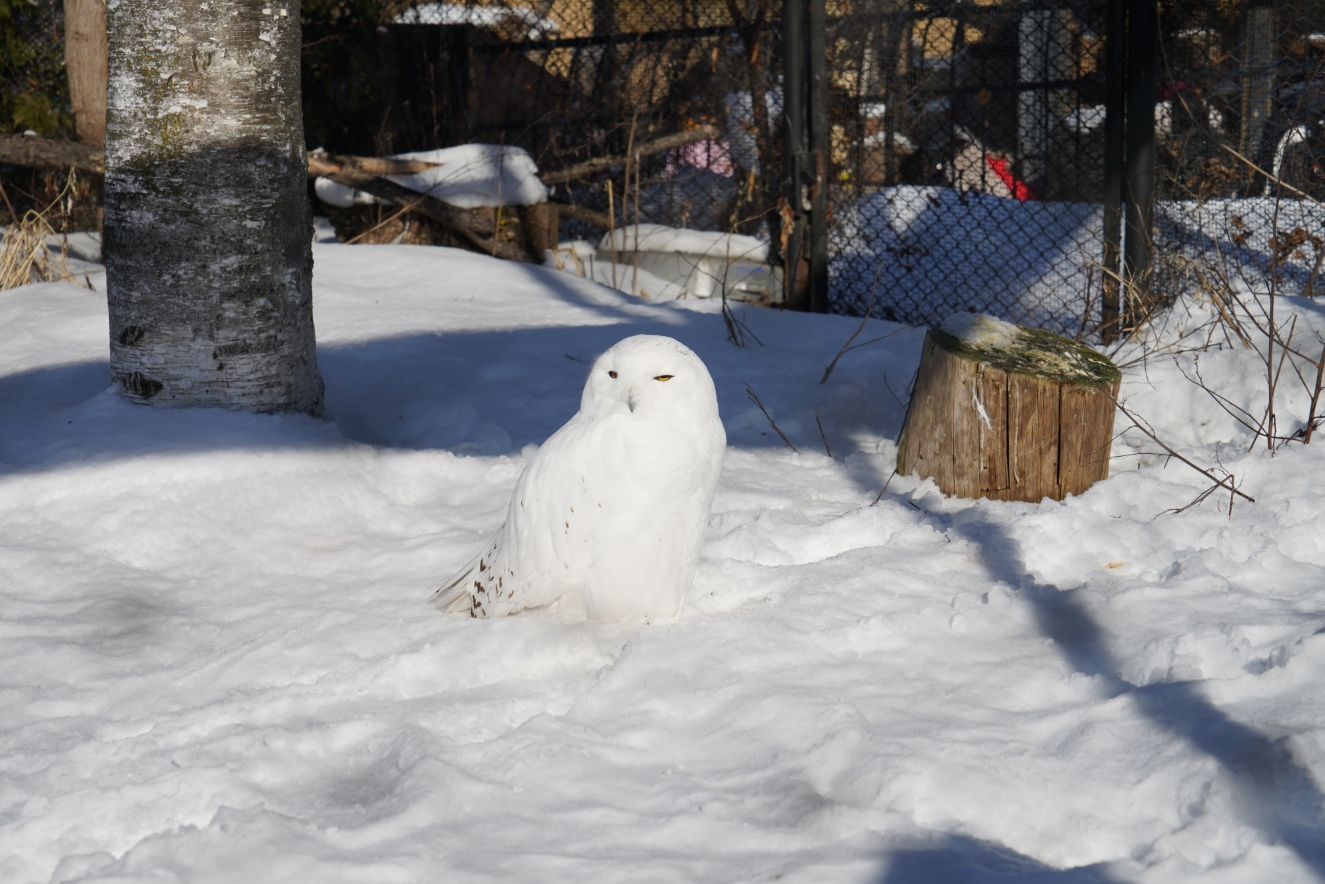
1240 126
34 94
968 157
568 81
966 160
34 97
969 153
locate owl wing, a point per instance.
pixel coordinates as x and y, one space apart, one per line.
544 550
457 594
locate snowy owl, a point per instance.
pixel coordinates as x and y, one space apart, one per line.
607 519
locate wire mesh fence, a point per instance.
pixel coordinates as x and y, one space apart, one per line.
1240 127
968 159
34 98
965 167
34 94
569 81
969 154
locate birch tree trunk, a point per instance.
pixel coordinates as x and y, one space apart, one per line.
207 229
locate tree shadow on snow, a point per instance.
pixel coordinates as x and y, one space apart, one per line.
957 859
53 387
480 392
1275 794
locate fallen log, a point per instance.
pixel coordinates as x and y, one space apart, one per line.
323 164
36 152
361 173
644 149
588 216
479 229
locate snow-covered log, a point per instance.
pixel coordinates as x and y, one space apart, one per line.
207 229
479 227
1007 412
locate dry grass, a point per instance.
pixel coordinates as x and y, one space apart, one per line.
24 255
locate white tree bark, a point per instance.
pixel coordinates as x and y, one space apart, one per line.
207 228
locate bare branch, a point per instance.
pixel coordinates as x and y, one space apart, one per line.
822 435
644 149
321 163
755 399
1226 482
885 487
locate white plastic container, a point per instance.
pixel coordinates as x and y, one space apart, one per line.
704 264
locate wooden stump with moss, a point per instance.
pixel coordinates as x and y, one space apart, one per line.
1008 412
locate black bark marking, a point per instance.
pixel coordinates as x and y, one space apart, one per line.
131 335
140 385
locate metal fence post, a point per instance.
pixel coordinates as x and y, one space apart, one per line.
455 64
795 139
820 156
1139 193
1258 80
1115 55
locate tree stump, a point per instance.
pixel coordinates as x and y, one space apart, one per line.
1009 413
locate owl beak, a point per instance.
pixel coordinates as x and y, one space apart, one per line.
630 400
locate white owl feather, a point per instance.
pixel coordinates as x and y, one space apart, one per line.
607 519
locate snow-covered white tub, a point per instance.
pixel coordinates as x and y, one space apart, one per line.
701 262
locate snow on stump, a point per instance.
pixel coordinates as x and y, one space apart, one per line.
1007 412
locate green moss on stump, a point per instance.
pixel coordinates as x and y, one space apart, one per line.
1040 353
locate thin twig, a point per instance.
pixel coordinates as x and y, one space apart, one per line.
5 194
1271 375
1276 180
848 347
1309 290
822 435
647 148
383 223
869 308
1315 399
1145 429
737 330
890 390
1221 400
625 198
611 231
751 393
885 487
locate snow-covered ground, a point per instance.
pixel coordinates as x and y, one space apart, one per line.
217 660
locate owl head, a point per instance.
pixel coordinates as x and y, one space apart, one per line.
650 376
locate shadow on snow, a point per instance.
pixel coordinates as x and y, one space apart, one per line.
485 392
1275 794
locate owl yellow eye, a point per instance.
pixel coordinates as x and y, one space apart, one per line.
611 374
664 377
